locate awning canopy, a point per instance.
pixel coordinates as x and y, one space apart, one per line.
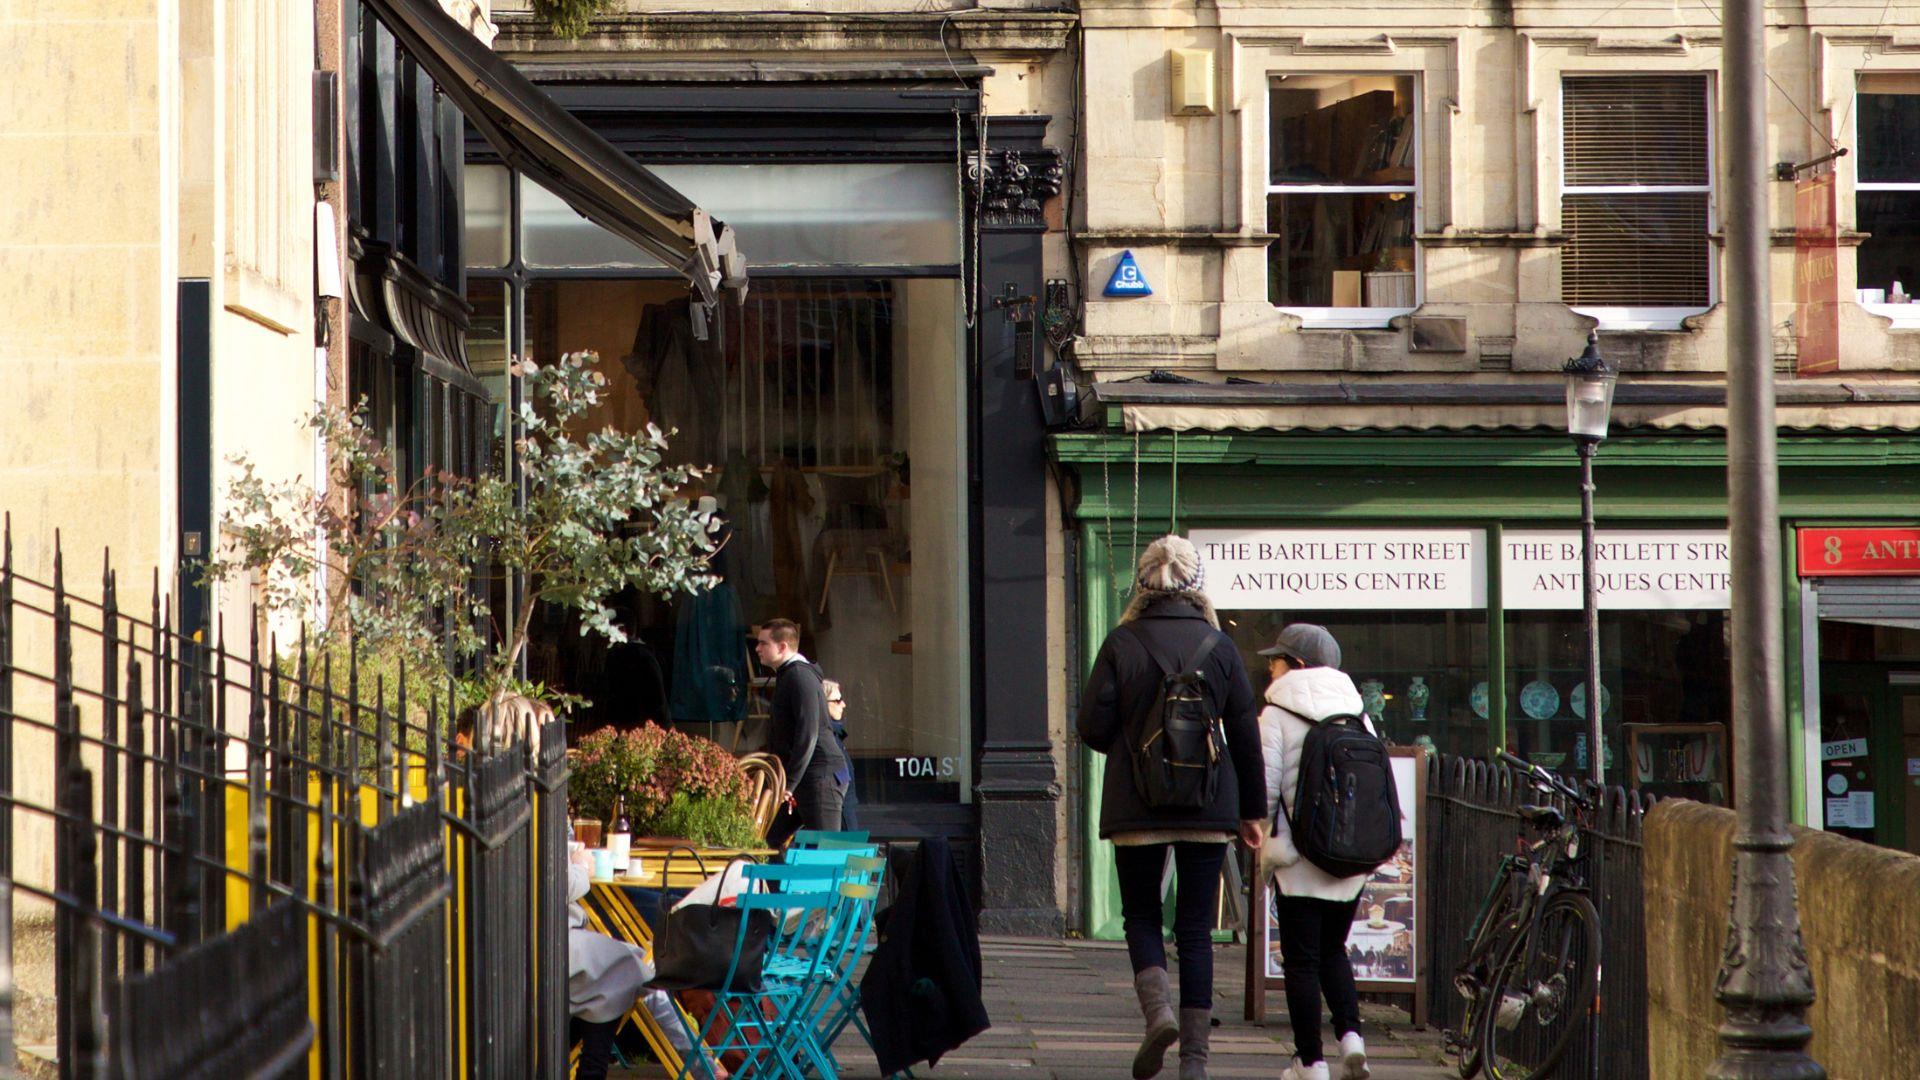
1462 405
535 135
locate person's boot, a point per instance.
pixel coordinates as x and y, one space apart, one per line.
1156 1004
1196 1026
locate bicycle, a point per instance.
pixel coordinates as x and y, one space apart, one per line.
1532 970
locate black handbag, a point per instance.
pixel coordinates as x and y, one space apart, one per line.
695 947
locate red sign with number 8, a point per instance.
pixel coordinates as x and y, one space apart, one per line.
1890 552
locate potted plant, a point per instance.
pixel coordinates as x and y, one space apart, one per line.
680 790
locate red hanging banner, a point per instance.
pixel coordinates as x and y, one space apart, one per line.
1892 552
1816 276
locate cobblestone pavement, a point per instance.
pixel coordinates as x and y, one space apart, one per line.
1065 1011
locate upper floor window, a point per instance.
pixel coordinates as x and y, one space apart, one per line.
1887 194
1636 205
1341 194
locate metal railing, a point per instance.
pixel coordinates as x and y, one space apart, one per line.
1472 822
216 817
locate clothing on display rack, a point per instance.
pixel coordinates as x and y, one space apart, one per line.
792 502
680 378
709 671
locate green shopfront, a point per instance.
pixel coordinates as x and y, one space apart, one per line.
1448 565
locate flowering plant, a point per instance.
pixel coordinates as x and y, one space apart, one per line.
674 784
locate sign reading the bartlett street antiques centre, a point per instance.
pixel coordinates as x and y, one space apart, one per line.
1344 569
1638 569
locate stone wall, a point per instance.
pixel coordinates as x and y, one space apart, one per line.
1859 914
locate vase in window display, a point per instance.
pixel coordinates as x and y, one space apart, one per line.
1417 696
1373 693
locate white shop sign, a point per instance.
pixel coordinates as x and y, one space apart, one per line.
1344 569
1638 569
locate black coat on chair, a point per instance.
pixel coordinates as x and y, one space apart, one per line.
921 993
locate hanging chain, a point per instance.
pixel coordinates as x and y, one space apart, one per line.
1176 481
1106 489
1133 554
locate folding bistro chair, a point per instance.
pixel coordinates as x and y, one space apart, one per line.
819 1005
813 838
601 920
765 1040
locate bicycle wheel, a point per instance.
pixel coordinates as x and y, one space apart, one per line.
1472 978
1544 990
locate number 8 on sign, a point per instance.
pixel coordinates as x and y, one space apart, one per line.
1833 551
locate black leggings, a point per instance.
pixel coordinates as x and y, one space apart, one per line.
1197 874
1313 948
596 1046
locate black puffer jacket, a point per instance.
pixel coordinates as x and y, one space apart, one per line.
1120 693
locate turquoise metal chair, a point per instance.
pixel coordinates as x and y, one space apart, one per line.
813 838
761 1023
839 1008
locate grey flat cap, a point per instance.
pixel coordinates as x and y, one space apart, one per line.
1307 642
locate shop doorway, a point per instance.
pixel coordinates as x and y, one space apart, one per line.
1870 732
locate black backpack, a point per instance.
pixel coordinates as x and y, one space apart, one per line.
1346 809
1180 746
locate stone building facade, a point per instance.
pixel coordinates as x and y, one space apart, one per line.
1482 152
1371 235
895 174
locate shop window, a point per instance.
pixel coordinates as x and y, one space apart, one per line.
1341 197
784 215
1636 198
487 210
1666 705
1887 194
489 350
1422 674
831 411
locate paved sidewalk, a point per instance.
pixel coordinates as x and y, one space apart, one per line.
1065 1011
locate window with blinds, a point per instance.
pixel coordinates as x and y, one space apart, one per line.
1637 183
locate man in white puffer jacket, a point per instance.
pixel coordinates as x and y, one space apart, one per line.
1316 909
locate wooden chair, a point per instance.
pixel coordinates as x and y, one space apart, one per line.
766 789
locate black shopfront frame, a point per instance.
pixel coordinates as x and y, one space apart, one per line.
1007 834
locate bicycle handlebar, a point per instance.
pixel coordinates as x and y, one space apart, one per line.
1543 776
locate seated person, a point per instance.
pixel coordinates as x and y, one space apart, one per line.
604 979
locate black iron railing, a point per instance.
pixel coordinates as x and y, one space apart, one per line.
1472 822
208 818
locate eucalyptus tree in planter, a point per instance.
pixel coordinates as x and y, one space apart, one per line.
404 564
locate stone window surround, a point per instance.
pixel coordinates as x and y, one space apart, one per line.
1644 317
1251 61
1351 318
1839 62
1548 60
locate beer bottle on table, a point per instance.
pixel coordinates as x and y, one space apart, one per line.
620 844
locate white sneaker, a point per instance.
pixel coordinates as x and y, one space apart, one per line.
1297 1071
1353 1057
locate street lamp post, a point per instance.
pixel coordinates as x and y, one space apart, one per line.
1765 984
1589 405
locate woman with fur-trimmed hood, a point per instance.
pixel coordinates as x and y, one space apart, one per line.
1167 623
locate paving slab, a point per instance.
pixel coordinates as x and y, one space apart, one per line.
1064 1010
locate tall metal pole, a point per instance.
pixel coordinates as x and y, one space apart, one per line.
1764 985
1590 610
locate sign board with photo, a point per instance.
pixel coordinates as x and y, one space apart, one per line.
1385 944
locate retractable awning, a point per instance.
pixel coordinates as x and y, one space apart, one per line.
1323 404
535 135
